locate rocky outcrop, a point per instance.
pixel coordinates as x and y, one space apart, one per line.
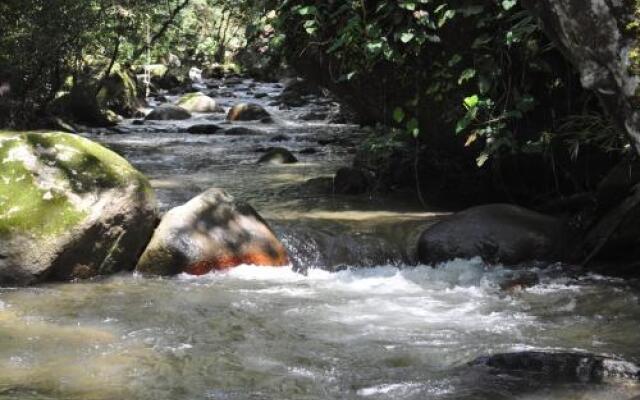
597 36
499 233
168 112
69 209
247 112
213 231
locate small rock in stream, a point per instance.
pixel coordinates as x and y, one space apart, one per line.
203 129
564 367
247 112
278 155
242 131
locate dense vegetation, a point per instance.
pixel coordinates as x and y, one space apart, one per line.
51 48
476 102
475 82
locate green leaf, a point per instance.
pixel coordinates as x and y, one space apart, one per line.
467 74
307 10
509 4
408 5
482 159
471 101
398 114
413 127
407 37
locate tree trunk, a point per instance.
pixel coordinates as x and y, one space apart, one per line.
594 36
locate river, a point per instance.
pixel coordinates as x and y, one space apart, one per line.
352 318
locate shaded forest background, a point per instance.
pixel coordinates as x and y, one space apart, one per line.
473 101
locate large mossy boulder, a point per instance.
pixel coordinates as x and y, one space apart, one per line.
120 93
168 112
247 112
198 103
69 209
211 232
499 233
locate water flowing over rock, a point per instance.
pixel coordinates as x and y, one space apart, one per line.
595 37
69 209
247 112
213 231
278 155
499 233
564 367
167 112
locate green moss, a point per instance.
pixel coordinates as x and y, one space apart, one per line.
24 207
84 165
189 99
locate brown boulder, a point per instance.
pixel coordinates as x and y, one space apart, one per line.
213 231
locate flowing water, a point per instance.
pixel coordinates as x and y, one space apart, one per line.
352 319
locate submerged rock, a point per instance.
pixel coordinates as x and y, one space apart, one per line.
199 102
278 155
242 131
69 209
499 233
247 112
213 231
203 129
352 181
167 112
565 367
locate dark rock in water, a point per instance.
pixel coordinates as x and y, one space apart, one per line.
203 129
89 212
499 233
233 80
308 150
317 186
242 131
162 99
564 367
166 82
352 181
278 155
280 138
213 231
267 120
138 122
260 95
314 116
295 94
247 112
167 112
